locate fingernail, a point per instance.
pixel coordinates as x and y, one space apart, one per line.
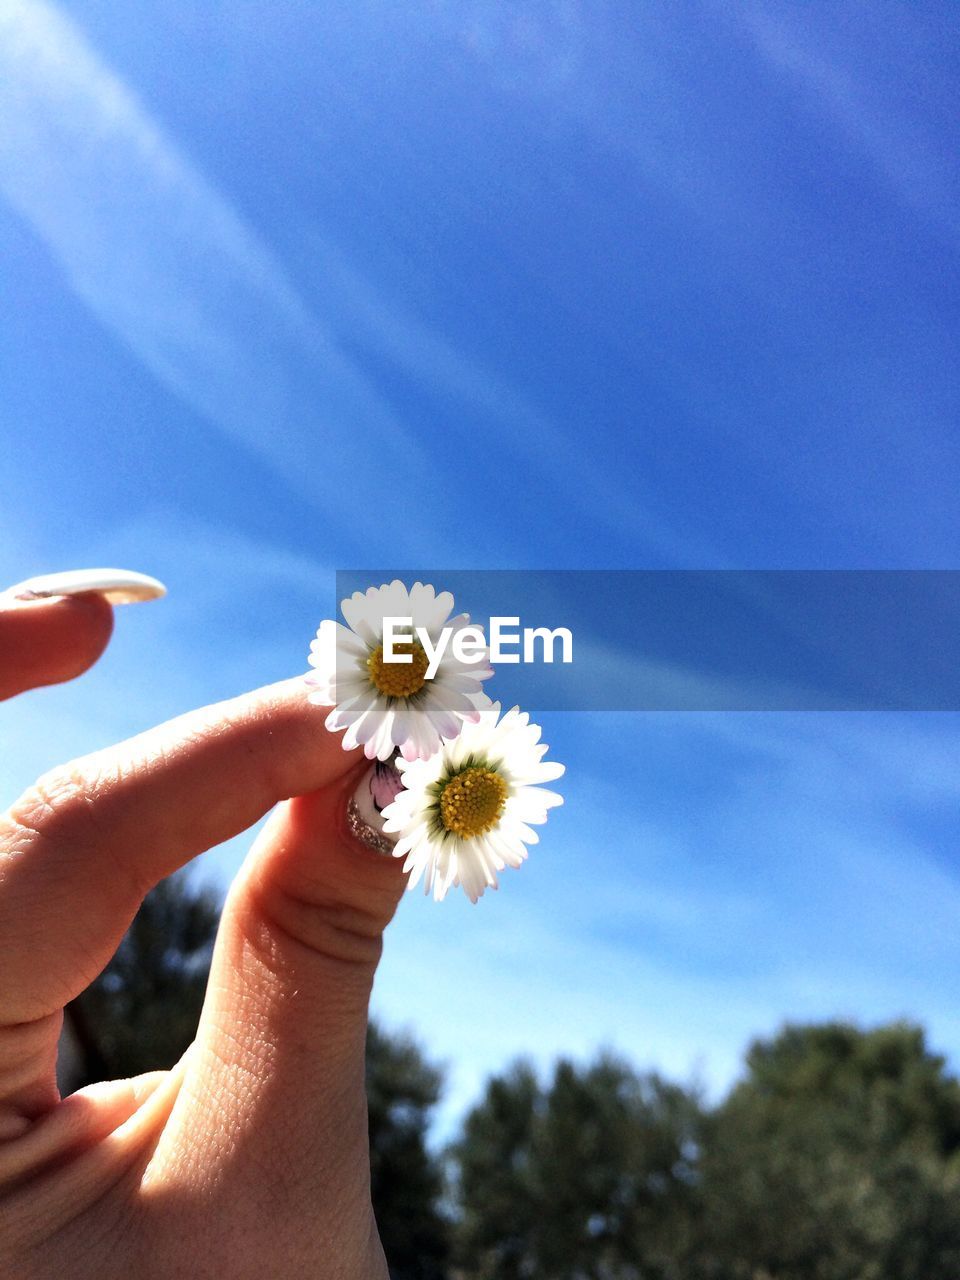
118 586
363 817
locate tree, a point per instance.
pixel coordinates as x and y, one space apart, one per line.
496 1184
837 1158
590 1178
141 1013
406 1178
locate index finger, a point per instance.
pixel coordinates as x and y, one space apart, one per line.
80 849
47 641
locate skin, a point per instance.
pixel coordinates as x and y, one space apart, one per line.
250 1157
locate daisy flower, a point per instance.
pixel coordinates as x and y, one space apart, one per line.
392 705
464 814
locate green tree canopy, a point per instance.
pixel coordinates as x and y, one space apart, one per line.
406 1177
141 1013
588 1177
836 1158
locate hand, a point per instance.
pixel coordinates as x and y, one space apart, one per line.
250 1157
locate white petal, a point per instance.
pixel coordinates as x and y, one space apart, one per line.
460 680
428 609
358 614
548 771
354 709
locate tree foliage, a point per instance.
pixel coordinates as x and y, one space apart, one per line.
141 1013
406 1177
590 1176
836 1157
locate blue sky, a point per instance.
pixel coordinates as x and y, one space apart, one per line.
292 288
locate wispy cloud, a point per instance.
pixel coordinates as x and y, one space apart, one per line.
173 270
177 274
584 480
903 153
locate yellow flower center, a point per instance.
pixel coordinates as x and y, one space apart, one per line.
399 679
472 802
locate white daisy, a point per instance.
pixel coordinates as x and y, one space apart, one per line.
464 814
385 705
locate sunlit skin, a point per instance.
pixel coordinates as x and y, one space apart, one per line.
248 1159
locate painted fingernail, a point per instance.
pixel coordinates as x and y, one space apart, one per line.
118 586
363 816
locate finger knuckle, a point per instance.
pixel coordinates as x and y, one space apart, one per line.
334 930
63 803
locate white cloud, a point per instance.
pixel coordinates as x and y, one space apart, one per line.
194 291
518 431
861 106
173 270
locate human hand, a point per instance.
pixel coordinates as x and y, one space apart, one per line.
250 1157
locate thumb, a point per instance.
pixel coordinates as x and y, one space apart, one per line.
46 641
279 1059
